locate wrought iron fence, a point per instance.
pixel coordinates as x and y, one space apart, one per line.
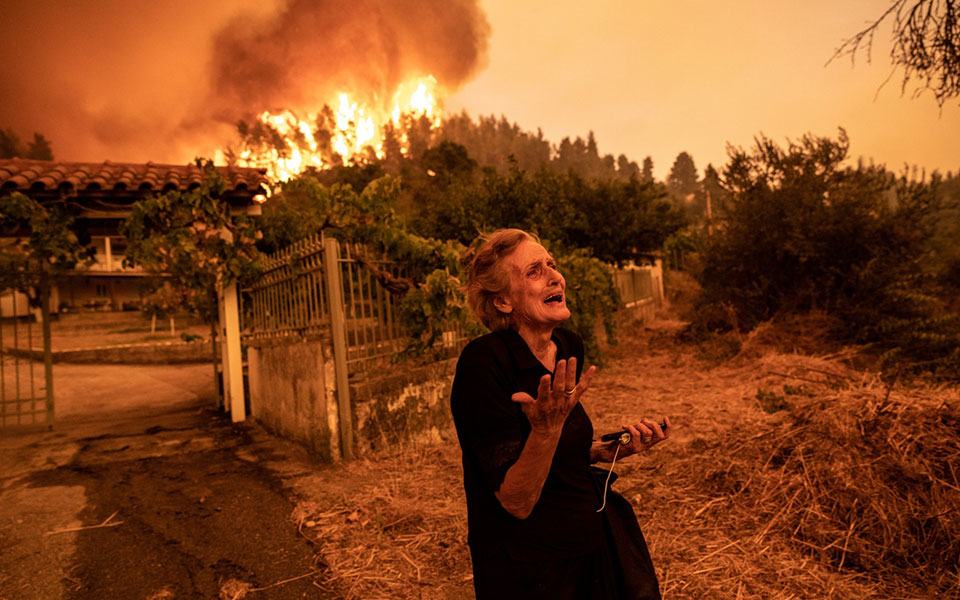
26 386
371 310
292 298
289 298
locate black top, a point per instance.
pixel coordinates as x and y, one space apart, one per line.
492 430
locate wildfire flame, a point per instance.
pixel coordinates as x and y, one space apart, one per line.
353 132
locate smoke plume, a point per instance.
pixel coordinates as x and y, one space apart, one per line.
167 81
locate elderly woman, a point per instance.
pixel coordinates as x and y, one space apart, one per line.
535 530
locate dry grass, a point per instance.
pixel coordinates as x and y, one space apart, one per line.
849 491
401 533
852 494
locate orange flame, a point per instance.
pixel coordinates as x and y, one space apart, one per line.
356 131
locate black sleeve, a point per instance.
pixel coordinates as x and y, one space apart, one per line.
489 423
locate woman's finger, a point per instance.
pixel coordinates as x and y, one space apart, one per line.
560 379
543 391
585 381
523 398
655 428
570 385
642 435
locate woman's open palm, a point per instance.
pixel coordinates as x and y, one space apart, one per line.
555 399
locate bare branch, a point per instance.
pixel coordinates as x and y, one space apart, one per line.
926 44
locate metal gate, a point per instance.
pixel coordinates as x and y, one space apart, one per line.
26 365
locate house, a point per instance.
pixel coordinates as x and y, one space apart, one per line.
103 194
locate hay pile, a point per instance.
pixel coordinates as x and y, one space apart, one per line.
400 534
790 477
852 491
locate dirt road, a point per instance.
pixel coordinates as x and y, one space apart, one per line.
190 510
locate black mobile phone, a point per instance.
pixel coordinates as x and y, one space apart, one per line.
623 435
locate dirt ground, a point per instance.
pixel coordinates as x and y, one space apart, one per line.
184 504
393 526
188 506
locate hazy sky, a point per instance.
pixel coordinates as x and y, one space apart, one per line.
660 77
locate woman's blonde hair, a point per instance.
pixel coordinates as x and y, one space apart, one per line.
486 277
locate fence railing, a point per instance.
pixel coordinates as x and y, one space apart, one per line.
370 309
639 284
291 298
26 385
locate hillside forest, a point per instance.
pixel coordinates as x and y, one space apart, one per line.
783 228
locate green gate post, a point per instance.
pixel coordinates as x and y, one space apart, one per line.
47 345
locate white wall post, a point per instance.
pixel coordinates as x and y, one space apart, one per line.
231 357
108 253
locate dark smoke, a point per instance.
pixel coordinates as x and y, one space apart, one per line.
166 81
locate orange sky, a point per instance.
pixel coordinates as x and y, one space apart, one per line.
649 78
657 78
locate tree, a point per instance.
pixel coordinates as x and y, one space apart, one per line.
11 146
647 175
623 221
713 188
801 232
38 243
926 44
39 148
626 168
682 181
192 240
441 193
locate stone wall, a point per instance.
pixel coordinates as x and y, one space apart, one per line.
403 404
292 394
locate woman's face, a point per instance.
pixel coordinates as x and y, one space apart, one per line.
537 290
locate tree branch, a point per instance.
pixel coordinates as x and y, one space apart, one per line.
926 44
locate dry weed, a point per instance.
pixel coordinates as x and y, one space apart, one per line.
400 535
234 589
851 492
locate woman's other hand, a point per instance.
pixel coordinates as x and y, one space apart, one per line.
556 397
643 436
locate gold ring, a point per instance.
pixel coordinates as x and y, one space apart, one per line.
569 393
646 439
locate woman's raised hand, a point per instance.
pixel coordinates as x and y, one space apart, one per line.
556 397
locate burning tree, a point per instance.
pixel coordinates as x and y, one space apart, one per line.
287 144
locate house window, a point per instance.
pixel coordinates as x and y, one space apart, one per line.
102 290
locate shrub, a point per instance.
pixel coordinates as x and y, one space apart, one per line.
800 232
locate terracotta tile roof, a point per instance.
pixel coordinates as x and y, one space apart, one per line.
40 177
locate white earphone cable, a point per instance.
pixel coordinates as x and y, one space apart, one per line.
606 484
